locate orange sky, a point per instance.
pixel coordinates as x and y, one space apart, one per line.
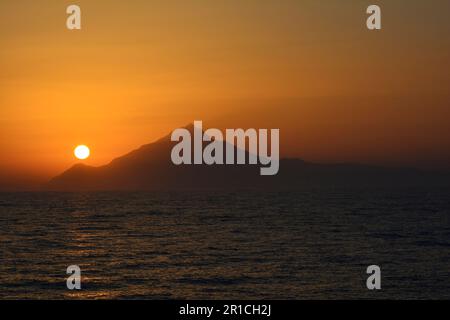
138 69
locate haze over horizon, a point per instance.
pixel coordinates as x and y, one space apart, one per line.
135 72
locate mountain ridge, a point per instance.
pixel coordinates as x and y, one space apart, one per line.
149 167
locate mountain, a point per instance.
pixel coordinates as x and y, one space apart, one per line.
150 168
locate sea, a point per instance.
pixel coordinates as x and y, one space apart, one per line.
308 244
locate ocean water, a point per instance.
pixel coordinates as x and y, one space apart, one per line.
312 244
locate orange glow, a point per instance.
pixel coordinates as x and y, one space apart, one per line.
136 71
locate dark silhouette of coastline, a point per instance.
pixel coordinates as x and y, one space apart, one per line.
150 168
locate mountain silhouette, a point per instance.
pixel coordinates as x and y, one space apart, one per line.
150 168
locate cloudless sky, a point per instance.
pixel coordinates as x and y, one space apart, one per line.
139 69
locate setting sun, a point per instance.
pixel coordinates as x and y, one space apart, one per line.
82 152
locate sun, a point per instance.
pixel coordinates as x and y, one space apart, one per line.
82 152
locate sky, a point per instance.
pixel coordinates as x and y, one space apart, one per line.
139 69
